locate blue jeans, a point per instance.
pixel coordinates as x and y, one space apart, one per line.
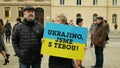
35 65
99 56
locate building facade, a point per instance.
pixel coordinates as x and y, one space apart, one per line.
11 9
49 9
88 10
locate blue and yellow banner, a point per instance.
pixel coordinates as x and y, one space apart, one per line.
64 41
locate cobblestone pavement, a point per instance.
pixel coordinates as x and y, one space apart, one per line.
111 56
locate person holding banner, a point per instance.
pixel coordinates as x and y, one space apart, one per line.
78 63
58 62
26 40
99 42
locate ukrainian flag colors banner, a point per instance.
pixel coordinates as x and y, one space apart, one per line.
64 41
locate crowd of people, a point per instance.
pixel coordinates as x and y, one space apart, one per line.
27 38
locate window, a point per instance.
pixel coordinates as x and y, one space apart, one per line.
20 0
78 15
114 18
38 0
20 11
7 10
78 2
114 2
62 2
6 0
95 2
95 16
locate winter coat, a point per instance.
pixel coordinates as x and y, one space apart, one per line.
26 40
2 44
99 35
8 29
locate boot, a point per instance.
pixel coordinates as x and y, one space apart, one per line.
7 55
6 61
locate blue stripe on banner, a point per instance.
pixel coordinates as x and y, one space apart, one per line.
78 32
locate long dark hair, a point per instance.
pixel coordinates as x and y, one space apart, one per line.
1 21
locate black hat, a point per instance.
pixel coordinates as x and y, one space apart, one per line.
28 8
18 19
100 18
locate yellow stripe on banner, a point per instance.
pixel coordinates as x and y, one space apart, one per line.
72 51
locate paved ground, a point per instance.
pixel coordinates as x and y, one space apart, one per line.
111 55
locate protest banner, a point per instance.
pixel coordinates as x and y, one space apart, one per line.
64 41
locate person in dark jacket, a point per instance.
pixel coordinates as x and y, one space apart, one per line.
3 49
107 32
8 28
99 42
115 26
18 21
26 40
58 62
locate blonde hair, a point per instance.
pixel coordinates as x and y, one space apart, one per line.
62 17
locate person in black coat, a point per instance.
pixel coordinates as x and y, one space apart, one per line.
8 28
26 40
18 21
